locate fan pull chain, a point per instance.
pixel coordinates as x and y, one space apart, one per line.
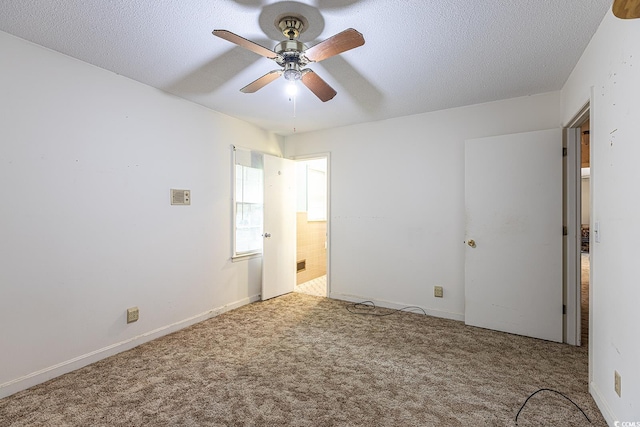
294 113
294 106
293 99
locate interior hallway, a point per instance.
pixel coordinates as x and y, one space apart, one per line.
584 298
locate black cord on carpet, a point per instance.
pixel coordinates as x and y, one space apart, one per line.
367 308
548 389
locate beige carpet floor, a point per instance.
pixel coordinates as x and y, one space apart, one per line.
301 360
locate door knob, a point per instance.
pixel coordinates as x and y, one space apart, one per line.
472 243
267 235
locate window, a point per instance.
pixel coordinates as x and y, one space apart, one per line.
248 202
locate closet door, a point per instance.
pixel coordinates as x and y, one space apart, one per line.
513 261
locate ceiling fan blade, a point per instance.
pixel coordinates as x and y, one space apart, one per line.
261 82
341 42
319 87
247 44
626 9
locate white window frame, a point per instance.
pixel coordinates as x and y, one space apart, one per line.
246 158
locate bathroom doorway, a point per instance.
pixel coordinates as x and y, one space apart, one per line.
312 226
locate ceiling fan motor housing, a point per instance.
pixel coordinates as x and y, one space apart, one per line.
290 58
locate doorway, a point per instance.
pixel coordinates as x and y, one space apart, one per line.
312 226
585 221
577 220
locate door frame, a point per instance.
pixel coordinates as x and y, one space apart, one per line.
571 246
327 156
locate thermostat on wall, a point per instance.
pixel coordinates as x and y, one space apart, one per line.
180 197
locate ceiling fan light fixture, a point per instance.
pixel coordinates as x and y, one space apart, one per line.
292 71
292 75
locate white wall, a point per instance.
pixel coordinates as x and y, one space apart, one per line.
397 219
87 159
610 66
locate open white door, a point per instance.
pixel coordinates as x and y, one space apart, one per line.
573 239
513 262
279 246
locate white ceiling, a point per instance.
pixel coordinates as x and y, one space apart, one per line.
418 56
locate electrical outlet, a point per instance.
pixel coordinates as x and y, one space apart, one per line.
133 314
616 382
438 291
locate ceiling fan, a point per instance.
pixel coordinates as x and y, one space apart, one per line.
293 56
626 9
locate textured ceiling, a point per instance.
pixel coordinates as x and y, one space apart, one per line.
419 55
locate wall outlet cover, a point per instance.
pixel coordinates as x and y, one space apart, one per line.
180 197
133 314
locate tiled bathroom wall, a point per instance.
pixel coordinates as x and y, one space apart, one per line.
312 237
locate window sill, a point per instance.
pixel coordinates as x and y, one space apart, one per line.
243 257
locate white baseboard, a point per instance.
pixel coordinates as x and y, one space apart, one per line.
395 305
601 402
38 377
